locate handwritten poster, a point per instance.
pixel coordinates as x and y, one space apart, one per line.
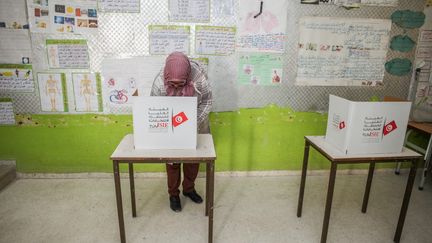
262 25
52 91
120 6
15 46
67 54
7 116
87 91
214 40
39 18
342 52
260 69
16 78
189 10
165 39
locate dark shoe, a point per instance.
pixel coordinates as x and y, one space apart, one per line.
175 204
193 195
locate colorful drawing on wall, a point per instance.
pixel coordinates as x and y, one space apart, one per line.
402 43
16 78
260 69
38 11
408 19
262 25
74 17
87 91
52 91
398 66
7 115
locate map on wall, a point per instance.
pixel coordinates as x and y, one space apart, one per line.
342 52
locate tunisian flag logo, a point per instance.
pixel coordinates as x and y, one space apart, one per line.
179 119
389 127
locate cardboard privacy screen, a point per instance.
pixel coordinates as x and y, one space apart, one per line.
165 122
367 127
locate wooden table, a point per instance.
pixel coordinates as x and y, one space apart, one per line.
337 157
125 153
425 127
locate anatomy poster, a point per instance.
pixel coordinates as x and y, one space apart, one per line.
262 25
260 69
52 90
341 51
68 54
16 78
87 91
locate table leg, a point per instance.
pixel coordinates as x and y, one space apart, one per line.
207 188
211 201
119 200
303 178
368 186
132 188
406 200
329 201
426 165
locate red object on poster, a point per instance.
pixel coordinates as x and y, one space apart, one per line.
78 12
179 119
342 125
389 127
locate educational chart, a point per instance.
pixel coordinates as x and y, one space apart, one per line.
52 91
165 39
87 91
214 40
165 122
74 17
222 8
262 25
366 2
122 77
260 69
367 127
342 52
67 54
119 6
189 10
7 116
15 46
16 78
38 14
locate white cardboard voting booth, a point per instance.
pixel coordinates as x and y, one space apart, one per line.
165 122
367 127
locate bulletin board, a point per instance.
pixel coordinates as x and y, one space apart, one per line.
124 35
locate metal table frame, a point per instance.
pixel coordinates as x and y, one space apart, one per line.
336 157
125 153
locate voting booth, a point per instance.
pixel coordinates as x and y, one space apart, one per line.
367 127
165 122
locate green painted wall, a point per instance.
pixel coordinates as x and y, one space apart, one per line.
269 138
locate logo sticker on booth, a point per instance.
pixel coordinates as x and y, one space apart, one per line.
179 119
389 127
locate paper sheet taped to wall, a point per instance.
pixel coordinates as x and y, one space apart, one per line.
342 52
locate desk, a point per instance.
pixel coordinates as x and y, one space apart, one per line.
426 128
125 153
337 157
